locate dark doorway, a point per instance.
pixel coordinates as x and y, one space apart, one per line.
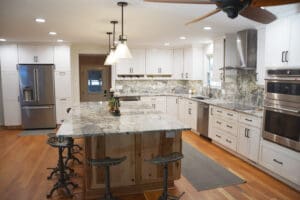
95 78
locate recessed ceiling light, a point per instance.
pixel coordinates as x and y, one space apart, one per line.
59 40
262 7
40 20
167 44
182 38
52 33
2 40
207 28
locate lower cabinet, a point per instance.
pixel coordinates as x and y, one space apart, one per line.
172 106
281 161
188 112
61 109
248 142
158 103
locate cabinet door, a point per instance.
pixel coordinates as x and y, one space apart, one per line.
218 59
178 72
36 54
188 62
158 61
166 56
152 61
62 58
277 41
183 110
172 107
193 112
61 109
243 142
261 68
12 112
8 57
62 84
294 49
124 67
139 61
254 141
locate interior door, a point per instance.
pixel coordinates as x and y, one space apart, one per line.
94 83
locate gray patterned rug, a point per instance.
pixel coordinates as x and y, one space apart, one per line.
37 132
204 173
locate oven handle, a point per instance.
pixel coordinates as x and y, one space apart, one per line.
285 109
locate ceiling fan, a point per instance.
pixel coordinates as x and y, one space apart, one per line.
247 8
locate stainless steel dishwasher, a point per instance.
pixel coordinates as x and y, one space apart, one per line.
202 119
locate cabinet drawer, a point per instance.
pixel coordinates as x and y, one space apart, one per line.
217 135
218 111
250 120
230 141
230 128
230 115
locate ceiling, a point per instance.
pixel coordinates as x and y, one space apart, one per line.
87 21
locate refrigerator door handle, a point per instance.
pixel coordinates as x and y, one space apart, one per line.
37 85
36 107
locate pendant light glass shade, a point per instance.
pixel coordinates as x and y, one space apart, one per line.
110 58
122 51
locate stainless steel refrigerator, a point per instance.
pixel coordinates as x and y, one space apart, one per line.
37 96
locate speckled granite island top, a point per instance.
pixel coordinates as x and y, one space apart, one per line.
93 118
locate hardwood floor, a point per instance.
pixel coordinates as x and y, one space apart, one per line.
24 161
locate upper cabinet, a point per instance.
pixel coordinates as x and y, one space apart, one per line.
283 43
134 66
9 57
159 61
62 58
33 54
178 70
218 57
193 63
260 67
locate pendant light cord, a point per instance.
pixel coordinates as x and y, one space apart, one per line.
122 18
114 33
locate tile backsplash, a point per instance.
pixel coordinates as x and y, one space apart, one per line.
239 87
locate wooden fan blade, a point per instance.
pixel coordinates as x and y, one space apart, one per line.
182 1
204 16
259 3
258 14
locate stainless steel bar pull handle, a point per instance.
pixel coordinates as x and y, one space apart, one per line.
37 85
285 109
279 162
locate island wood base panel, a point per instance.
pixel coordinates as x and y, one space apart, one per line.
134 175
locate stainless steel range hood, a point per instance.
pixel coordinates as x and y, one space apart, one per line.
247 47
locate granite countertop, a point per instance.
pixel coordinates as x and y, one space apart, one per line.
93 119
255 111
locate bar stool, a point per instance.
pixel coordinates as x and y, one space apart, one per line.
107 163
71 151
61 144
165 160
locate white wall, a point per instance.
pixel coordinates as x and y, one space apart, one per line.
1 102
75 51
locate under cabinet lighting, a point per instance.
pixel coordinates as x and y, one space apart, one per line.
52 33
40 20
2 40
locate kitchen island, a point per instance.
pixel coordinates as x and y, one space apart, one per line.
140 133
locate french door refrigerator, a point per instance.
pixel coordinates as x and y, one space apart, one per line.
37 96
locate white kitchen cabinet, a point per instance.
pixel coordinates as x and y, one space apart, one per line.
193 64
134 66
62 104
12 112
281 161
178 65
218 59
62 84
248 142
8 57
62 58
10 85
158 103
159 61
294 48
172 106
261 68
34 54
188 112
282 43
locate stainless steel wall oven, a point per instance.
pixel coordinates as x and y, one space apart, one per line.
282 108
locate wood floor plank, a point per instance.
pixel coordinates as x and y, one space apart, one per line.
23 163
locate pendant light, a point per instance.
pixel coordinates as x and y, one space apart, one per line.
122 50
106 62
111 59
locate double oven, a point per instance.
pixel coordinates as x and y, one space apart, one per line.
282 108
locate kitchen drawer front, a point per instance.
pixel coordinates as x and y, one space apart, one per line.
217 135
230 115
250 120
230 141
271 159
230 128
218 111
